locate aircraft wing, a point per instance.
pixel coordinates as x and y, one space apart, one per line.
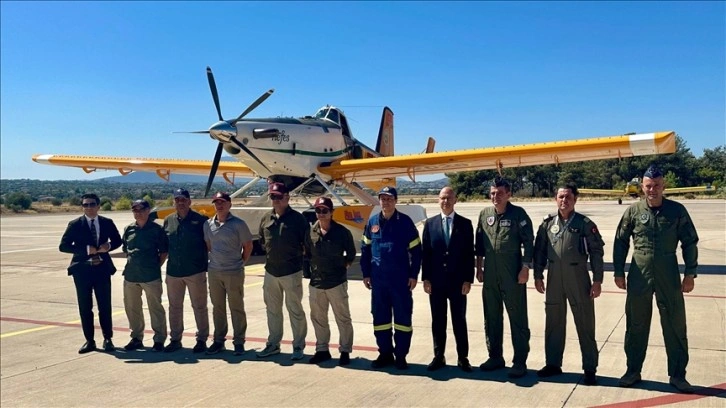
502 157
162 167
683 190
600 192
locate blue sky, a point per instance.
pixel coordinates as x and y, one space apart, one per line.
116 78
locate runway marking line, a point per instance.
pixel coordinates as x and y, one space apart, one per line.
46 323
74 323
701 392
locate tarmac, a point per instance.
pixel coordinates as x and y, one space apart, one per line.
40 335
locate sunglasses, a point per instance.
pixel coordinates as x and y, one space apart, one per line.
322 211
138 210
88 205
276 197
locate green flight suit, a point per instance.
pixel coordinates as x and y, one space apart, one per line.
563 248
654 269
499 239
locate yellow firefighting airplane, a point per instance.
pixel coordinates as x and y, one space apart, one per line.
313 155
634 189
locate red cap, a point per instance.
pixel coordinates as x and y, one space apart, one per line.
323 202
277 189
220 195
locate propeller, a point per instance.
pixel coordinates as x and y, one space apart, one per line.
218 153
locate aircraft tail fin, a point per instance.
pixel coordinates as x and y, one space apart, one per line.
384 145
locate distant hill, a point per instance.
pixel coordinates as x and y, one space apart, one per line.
144 177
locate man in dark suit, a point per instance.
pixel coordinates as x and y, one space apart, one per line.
448 272
90 238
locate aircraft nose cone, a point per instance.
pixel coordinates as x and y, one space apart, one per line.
222 131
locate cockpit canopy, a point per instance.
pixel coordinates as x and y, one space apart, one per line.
336 116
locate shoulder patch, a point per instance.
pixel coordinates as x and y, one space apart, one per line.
586 219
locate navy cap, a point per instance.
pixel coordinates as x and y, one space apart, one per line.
391 191
221 195
277 189
140 204
324 202
653 172
180 192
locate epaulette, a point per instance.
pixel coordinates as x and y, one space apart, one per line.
549 217
587 220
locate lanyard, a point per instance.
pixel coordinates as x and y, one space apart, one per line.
555 229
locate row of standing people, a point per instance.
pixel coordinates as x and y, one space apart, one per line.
500 253
505 250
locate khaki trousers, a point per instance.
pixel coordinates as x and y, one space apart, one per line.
135 311
273 289
175 290
337 298
230 287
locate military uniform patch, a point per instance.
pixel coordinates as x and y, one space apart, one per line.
555 229
490 220
644 218
523 223
505 223
375 229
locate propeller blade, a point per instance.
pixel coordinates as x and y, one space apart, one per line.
248 151
213 88
213 171
255 104
200 132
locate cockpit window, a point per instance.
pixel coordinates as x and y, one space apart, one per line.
330 114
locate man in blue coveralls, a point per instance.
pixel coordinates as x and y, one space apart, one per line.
390 261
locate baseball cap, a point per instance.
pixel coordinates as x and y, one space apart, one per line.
221 195
323 202
277 189
391 191
180 192
140 204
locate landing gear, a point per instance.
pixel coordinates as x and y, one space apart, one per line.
620 201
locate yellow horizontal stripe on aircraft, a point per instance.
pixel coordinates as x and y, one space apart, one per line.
681 190
603 192
503 157
127 164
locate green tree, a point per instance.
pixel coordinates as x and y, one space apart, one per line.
18 201
123 203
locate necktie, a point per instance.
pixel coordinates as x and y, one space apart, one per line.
94 234
95 259
447 230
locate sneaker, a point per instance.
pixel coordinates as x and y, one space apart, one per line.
200 347
344 359
216 347
629 379
518 370
320 356
173 346
681 384
297 354
239 349
590 378
157 347
492 364
134 344
269 350
401 363
383 360
549 371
